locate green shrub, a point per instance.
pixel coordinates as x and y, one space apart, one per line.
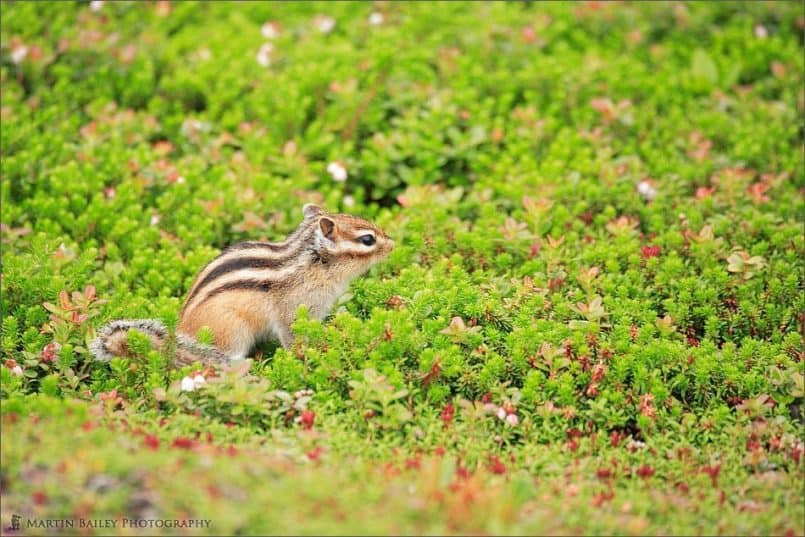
598 216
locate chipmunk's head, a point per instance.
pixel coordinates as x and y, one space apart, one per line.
354 243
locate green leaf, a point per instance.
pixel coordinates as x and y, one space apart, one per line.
703 67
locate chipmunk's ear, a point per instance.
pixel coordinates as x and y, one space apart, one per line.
309 210
327 227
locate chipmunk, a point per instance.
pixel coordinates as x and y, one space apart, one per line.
252 290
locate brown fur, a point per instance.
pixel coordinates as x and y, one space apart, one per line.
244 309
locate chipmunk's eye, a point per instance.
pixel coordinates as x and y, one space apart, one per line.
367 240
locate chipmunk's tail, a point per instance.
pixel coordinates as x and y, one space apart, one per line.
113 340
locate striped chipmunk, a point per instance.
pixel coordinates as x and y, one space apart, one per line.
252 290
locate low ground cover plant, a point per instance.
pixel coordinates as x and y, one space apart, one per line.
592 321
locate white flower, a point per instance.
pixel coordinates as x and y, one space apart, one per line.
155 218
634 445
188 385
192 127
18 54
324 23
376 18
96 5
501 413
204 54
646 190
348 201
337 171
761 32
270 30
264 54
17 370
512 419
193 383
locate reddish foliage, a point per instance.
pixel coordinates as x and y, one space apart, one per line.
713 472
647 252
753 445
556 283
413 464
462 472
757 191
184 443
88 426
232 451
683 487
432 374
390 470
307 418
39 497
646 404
602 497
439 451
496 466
615 438
796 453
151 441
315 453
584 361
568 347
50 351
645 471
447 414
603 473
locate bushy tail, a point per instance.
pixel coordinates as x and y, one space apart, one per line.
113 340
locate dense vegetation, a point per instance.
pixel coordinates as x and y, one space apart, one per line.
592 321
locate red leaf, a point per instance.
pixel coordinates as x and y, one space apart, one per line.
645 471
447 415
647 252
315 453
307 418
496 466
151 441
184 443
713 472
89 292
